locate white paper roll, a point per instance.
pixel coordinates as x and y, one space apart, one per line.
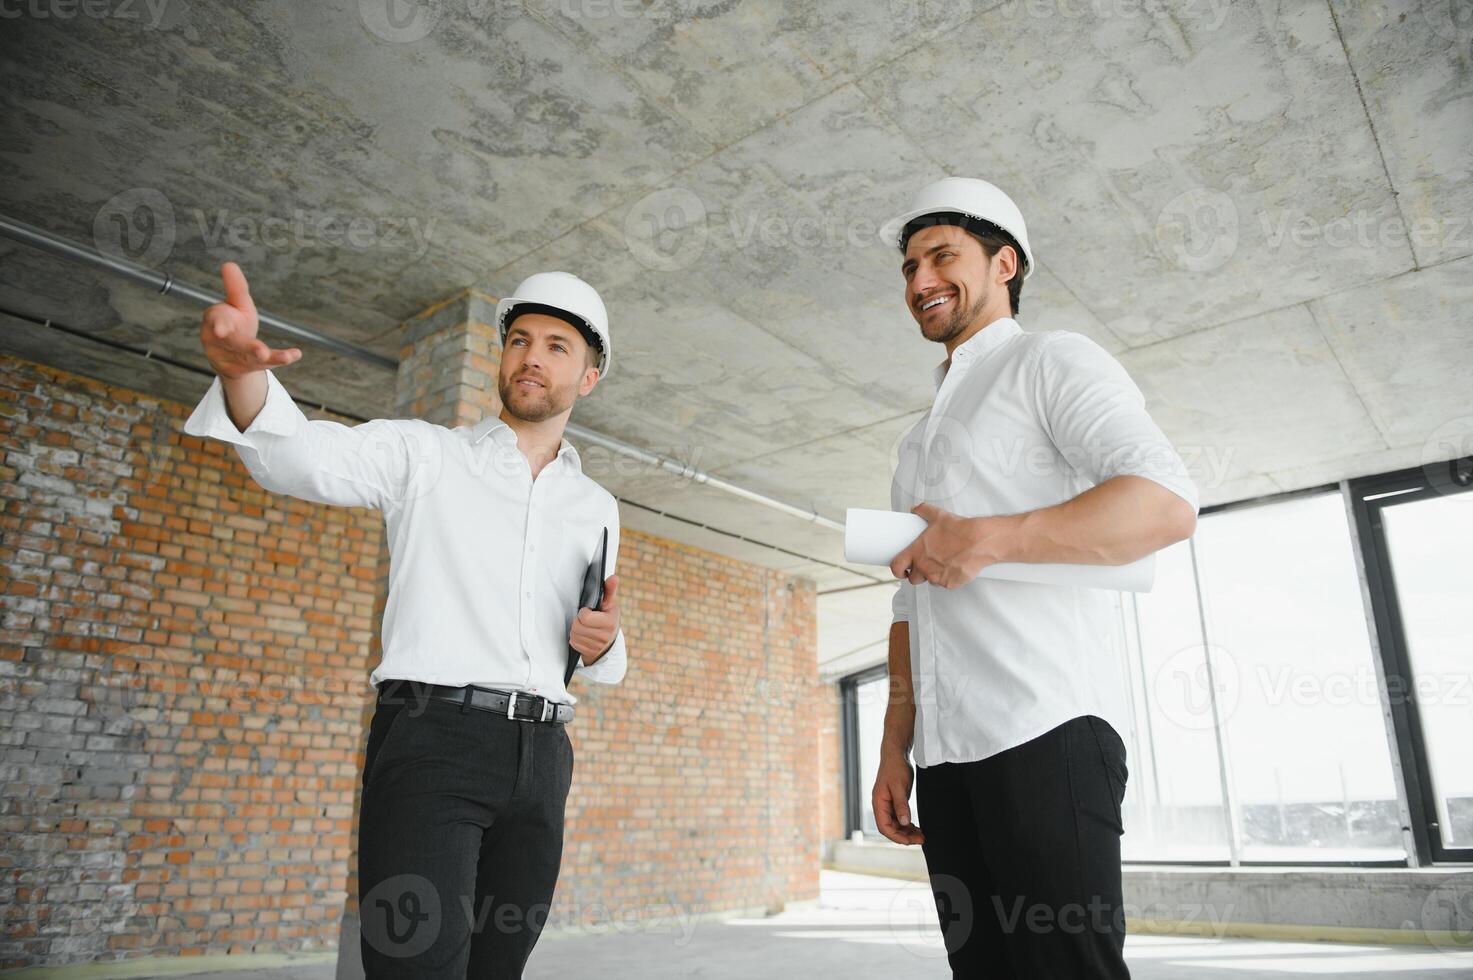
875 537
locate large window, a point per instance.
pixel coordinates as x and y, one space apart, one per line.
1416 528
1301 683
1308 761
1174 804
866 696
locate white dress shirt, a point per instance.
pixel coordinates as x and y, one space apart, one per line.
1022 420
486 563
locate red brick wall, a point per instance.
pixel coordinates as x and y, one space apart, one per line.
831 766
183 677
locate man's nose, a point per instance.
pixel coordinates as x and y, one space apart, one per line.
923 282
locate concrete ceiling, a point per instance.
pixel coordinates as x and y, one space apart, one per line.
1265 210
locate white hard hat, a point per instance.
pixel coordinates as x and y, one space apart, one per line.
968 196
564 295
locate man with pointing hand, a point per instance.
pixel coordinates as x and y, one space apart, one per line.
491 529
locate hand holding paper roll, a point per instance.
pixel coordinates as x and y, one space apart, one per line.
876 537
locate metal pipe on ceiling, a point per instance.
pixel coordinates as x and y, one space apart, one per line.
166 284
687 472
41 239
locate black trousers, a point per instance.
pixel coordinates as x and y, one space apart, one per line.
460 838
1023 852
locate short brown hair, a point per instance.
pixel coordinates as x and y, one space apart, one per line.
991 244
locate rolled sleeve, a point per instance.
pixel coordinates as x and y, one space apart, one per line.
1096 416
373 464
902 604
611 667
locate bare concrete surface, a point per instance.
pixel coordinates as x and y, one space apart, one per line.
864 926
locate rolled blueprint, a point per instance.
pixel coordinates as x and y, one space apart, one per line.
875 537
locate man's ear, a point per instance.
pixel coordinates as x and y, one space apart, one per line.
1016 261
590 379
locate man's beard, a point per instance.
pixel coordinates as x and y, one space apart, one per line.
958 322
535 404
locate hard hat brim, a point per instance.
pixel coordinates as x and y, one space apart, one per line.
892 231
506 309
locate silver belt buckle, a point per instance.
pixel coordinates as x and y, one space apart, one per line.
547 709
511 707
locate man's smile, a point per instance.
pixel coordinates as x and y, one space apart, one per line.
935 302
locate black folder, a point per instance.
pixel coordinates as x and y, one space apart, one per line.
592 595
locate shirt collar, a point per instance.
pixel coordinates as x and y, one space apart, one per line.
979 345
503 435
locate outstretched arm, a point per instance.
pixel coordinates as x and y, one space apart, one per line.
367 465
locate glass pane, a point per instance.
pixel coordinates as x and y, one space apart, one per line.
1298 692
1173 799
1428 540
870 700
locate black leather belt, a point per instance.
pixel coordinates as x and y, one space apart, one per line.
517 706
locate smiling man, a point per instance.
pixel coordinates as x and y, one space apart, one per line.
1037 448
491 529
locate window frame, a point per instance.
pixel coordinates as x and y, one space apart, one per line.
854 794
1410 748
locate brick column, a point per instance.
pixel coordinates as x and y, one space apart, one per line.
448 359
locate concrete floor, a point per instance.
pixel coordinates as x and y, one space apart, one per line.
865 926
